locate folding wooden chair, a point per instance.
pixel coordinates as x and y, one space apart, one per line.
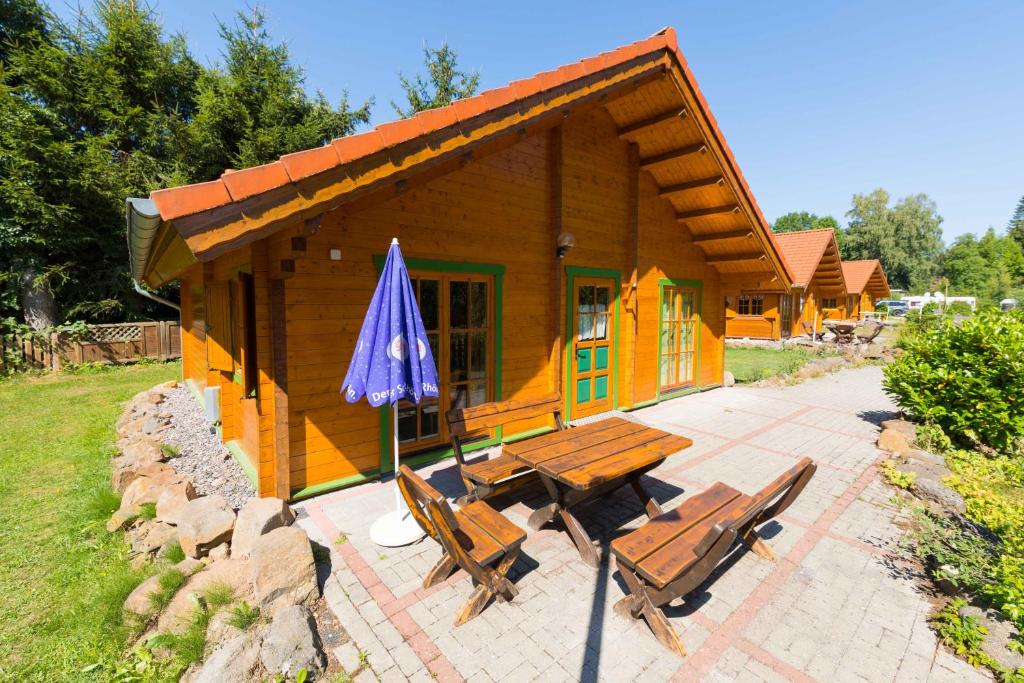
870 337
476 538
675 552
501 473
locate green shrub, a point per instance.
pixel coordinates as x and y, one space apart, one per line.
147 511
243 616
967 378
959 308
173 552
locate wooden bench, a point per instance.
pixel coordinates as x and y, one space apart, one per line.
870 336
673 553
809 331
476 538
502 472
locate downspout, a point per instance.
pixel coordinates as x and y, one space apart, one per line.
143 222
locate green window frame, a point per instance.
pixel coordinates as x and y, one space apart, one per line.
497 272
698 286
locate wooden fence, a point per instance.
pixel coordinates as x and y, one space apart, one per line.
120 343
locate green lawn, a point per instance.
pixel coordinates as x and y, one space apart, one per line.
62 577
752 364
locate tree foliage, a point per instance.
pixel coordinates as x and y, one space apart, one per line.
906 237
990 268
253 108
105 107
795 221
444 83
1015 228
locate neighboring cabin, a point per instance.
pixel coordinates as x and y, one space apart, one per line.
278 263
767 310
865 284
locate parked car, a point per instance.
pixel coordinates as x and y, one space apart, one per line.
896 307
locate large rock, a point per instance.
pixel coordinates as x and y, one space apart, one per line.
1001 633
204 523
895 441
235 660
257 517
904 427
143 451
283 570
126 470
940 494
144 489
138 601
150 537
172 502
292 643
728 379
231 574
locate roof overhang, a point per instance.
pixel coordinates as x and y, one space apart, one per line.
180 226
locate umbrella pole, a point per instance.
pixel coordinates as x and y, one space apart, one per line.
394 455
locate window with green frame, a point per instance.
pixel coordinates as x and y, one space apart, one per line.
678 341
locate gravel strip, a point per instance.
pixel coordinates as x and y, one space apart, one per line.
202 456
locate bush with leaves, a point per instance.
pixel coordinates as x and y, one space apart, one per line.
968 379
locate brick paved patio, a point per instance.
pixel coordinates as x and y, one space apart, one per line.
836 607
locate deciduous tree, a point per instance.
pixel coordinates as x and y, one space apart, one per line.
906 237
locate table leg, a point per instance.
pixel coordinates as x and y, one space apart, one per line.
650 505
577 533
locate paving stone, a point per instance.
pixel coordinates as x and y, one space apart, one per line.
840 603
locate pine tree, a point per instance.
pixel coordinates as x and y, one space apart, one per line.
1015 228
253 107
445 82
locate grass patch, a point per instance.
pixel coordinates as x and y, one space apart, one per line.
751 364
173 552
243 616
63 578
169 450
147 511
186 647
169 583
219 595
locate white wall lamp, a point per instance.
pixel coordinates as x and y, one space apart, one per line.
566 241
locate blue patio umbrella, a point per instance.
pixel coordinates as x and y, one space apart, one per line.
391 362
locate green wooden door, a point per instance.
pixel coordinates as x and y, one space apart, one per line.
593 346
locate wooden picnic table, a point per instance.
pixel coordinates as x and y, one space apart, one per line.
578 464
842 329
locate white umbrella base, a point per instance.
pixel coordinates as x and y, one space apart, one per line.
396 529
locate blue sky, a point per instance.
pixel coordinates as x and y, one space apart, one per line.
819 100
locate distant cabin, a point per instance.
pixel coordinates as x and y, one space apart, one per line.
576 231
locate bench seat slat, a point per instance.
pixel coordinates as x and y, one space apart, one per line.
494 470
668 562
462 425
633 547
493 523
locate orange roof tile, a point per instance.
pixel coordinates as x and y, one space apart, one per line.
182 201
858 273
803 251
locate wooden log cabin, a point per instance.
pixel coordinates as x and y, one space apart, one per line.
763 310
570 232
865 284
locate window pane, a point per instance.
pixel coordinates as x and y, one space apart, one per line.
457 395
429 424
459 304
433 339
478 302
428 303
458 353
586 301
406 423
603 296
686 311
666 304
477 393
601 326
585 326
666 370
478 355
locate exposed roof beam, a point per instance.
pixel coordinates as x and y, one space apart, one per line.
710 211
691 185
735 258
670 115
671 155
722 236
